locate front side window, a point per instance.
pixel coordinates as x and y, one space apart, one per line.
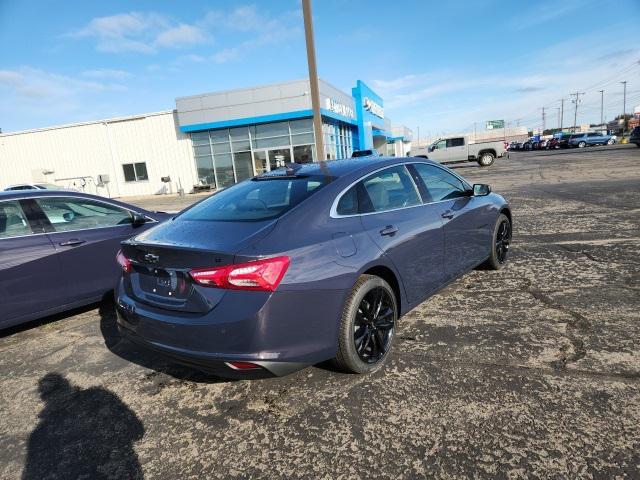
68 213
13 222
135 172
440 184
256 199
440 145
391 188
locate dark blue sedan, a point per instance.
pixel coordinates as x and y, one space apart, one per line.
306 263
57 250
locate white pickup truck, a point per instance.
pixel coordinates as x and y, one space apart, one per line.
460 149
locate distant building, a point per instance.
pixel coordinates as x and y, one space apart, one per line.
210 140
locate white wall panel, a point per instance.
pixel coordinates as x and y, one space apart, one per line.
102 148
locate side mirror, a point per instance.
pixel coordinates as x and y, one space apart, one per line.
138 219
431 148
481 189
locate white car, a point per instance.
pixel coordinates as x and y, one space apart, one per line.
34 186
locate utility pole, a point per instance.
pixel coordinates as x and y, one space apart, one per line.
559 121
474 131
601 107
544 122
313 79
561 113
624 107
575 115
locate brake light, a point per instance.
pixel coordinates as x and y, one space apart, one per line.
264 275
124 262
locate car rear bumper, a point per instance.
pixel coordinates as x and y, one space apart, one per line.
282 332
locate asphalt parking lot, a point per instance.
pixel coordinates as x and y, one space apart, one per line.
532 371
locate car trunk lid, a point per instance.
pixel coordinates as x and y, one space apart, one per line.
163 256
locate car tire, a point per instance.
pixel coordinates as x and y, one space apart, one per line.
486 159
582 144
373 326
611 141
500 239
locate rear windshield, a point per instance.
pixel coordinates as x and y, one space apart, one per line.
257 199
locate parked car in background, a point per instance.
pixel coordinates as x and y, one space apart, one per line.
635 136
364 153
460 149
531 144
589 139
544 144
563 141
554 143
33 186
57 250
298 266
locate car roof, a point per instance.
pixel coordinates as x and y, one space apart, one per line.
22 194
344 167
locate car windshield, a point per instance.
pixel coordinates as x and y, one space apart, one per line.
260 198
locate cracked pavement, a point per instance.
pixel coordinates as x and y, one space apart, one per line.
529 372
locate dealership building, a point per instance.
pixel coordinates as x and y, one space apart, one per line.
209 141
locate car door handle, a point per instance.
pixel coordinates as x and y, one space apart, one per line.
448 214
72 242
389 230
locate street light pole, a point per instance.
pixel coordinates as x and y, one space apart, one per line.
601 107
313 79
561 113
624 107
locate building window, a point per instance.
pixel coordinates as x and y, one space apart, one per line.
135 172
304 153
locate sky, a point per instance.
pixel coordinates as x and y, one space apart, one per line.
440 67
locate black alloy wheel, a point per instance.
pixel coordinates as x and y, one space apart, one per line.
367 326
503 238
500 244
374 324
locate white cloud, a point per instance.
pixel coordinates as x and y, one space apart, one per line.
263 28
226 55
453 100
33 84
182 34
106 73
139 32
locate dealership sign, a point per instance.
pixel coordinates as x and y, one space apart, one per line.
373 107
494 124
339 108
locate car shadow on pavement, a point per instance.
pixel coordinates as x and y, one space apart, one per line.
82 433
146 358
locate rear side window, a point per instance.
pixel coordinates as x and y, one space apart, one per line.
440 184
13 222
68 213
455 142
260 198
391 188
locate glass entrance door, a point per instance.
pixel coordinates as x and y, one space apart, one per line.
278 157
260 163
267 160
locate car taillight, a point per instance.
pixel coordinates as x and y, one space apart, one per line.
264 275
124 262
